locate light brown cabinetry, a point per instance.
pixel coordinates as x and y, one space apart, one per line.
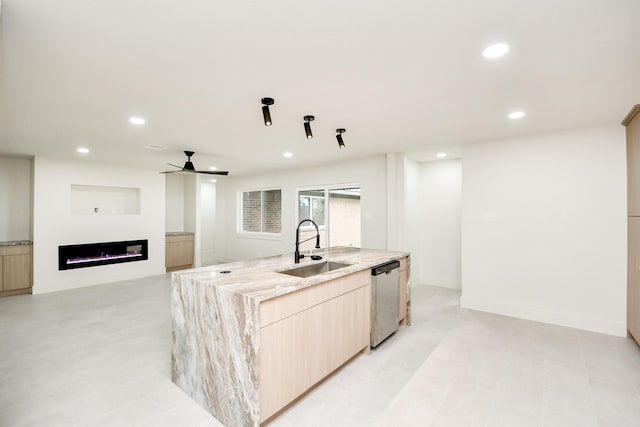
306 335
178 252
632 123
633 278
16 269
403 297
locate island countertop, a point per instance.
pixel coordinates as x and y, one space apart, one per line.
260 279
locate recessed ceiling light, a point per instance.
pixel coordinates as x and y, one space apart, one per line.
517 115
213 180
495 50
213 168
155 147
287 154
82 150
441 155
137 120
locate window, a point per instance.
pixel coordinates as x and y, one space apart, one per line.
311 206
262 211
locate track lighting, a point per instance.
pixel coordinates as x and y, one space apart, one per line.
307 126
339 137
266 114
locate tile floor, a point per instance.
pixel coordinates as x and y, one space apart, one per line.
100 356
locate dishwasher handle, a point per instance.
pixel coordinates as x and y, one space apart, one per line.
385 268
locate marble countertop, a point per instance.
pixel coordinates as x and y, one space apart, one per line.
16 242
261 279
178 233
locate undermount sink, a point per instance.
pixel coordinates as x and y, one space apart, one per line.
313 269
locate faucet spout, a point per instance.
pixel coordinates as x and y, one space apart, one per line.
297 252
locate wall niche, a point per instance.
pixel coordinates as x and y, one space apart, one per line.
103 200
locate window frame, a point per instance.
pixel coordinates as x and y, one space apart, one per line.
325 215
241 232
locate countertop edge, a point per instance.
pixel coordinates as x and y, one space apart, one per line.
16 243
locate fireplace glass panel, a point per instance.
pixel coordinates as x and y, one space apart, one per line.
92 254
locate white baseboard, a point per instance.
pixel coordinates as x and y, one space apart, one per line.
440 282
78 278
546 316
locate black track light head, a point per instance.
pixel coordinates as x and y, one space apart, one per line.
307 126
266 114
339 137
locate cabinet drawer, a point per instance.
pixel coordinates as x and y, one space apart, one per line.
278 308
179 238
15 250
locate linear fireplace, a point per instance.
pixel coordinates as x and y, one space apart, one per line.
92 254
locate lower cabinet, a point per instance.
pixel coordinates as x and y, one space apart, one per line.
178 252
16 271
308 334
633 278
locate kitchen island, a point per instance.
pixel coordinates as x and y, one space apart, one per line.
248 339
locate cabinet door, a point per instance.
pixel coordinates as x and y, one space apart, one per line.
300 350
179 253
633 279
633 166
16 272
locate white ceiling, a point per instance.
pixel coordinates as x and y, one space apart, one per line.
399 76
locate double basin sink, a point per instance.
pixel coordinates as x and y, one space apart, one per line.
314 269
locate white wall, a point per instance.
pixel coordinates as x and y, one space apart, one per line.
544 228
207 222
54 225
16 190
412 217
175 202
370 173
440 189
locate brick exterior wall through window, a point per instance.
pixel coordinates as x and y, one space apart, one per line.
262 211
272 211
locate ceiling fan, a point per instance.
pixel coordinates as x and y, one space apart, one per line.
188 167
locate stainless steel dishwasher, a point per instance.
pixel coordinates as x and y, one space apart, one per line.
385 289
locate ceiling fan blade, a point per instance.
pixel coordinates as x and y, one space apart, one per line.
188 167
214 172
